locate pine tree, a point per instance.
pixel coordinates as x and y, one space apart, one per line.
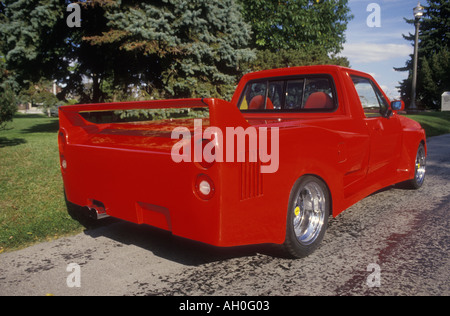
8 105
434 43
32 39
159 48
190 48
435 77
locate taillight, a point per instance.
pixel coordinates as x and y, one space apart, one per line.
63 163
204 187
62 140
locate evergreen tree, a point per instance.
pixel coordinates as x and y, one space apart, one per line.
433 65
435 78
188 48
8 106
31 35
162 48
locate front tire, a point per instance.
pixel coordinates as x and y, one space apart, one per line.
419 169
307 217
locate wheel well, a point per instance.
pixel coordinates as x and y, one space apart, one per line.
424 145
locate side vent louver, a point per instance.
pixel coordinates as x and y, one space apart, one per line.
251 180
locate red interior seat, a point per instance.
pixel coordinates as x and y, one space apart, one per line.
257 103
319 100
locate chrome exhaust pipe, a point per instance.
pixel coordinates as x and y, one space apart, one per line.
97 212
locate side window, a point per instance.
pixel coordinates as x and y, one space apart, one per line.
384 104
372 100
254 96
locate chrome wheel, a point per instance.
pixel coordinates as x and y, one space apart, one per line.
420 166
419 169
309 213
307 216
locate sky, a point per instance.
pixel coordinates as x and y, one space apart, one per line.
377 50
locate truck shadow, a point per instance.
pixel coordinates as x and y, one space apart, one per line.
180 250
162 243
47 127
11 142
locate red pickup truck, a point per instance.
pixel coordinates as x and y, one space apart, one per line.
293 147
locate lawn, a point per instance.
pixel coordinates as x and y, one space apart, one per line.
434 123
32 205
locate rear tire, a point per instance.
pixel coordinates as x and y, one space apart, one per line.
307 217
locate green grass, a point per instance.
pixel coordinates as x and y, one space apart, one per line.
434 123
32 205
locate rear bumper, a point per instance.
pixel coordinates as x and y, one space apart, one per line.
143 188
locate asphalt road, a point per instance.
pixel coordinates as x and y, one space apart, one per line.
394 242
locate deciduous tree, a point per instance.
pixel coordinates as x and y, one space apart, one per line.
298 32
297 24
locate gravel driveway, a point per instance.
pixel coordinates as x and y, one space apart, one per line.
394 242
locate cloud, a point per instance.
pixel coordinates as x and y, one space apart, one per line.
362 53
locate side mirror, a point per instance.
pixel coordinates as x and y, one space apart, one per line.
397 105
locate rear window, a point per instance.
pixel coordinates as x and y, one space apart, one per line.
299 94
